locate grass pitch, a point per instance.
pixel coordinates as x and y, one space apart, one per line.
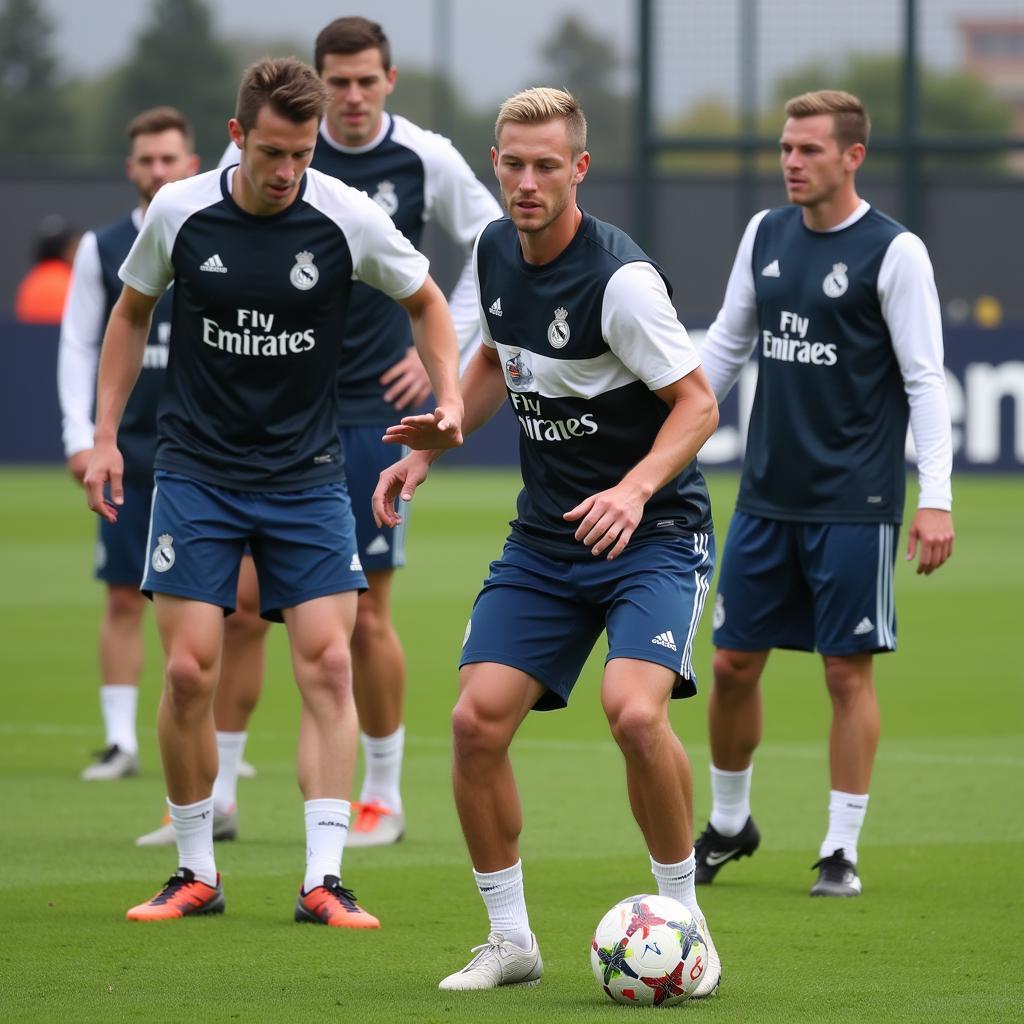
937 934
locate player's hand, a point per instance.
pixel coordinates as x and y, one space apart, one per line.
608 519
78 463
932 529
398 481
105 467
435 430
407 382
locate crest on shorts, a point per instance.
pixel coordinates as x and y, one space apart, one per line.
163 553
518 374
836 282
386 197
718 618
558 329
304 274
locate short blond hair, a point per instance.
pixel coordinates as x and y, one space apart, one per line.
541 104
850 120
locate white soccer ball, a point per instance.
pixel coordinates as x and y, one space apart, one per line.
648 951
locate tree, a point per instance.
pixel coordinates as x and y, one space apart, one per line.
178 61
33 116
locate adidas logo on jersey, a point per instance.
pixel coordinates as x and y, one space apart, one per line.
772 270
665 639
495 307
214 265
864 626
377 546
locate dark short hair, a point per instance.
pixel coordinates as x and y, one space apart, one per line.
287 85
53 236
850 121
351 35
160 119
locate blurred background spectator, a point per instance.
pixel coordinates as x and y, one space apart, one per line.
40 296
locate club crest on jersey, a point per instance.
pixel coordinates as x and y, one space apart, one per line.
558 329
836 282
163 553
386 197
518 374
304 275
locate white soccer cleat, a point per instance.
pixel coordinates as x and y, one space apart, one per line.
246 770
498 962
712 977
114 763
373 824
225 826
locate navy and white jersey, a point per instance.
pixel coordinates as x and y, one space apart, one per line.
260 305
95 288
584 341
414 176
849 342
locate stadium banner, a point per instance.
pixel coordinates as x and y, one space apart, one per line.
984 374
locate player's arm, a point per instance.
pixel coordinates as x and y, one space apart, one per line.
910 306
124 346
731 338
607 520
78 354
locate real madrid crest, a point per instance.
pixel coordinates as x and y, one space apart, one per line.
304 274
558 329
386 198
836 282
163 553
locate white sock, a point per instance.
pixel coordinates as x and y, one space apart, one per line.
230 748
193 829
730 800
383 762
326 829
676 882
845 817
505 900
119 705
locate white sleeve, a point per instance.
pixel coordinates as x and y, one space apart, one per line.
230 157
910 307
485 330
639 324
147 267
78 355
463 207
382 256
731 338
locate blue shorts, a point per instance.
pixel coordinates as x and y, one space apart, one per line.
807 586
121 546
366 456
543 616
303 543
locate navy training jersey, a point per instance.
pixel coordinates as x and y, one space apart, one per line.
828 423
583 342
260 304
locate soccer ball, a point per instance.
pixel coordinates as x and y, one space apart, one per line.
648 951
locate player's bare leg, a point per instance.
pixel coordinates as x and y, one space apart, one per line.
121 655
493 701
378 675
320 631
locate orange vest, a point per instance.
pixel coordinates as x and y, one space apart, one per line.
40 298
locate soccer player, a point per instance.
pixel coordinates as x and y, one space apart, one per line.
262 257
161 150
840 301
613 530
414 176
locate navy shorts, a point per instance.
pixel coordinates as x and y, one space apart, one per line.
807 586
121 546
303 543
543 615
366 457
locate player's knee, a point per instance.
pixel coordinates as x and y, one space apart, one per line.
474 732
635 726
125 605
331 672
189 680
847 681
370 629
736 673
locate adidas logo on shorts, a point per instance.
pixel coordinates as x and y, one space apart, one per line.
665 639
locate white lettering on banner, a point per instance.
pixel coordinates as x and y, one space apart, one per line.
987 386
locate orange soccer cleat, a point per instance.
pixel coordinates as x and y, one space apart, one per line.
182 894
333 905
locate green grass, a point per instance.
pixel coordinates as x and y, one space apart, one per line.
936 936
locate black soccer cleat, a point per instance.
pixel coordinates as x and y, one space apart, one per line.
712 849
836 876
